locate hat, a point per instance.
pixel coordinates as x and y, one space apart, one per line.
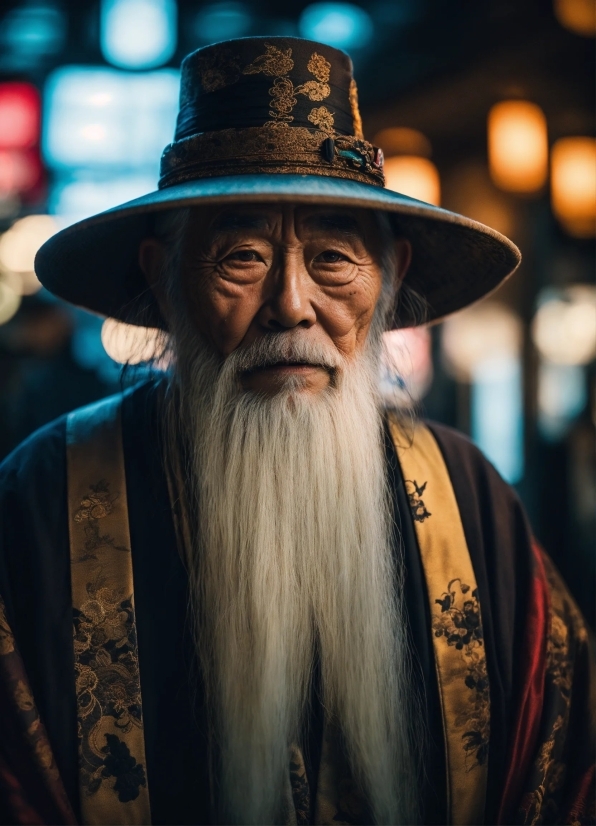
270 120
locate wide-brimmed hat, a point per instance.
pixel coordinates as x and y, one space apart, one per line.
271 120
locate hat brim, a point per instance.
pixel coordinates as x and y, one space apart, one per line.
94 263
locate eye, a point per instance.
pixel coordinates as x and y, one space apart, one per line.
245 256
330 257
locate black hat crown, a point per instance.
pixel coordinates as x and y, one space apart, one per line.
269 105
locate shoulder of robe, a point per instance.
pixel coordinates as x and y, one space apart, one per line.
37 459
473 476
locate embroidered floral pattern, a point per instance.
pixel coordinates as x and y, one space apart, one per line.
414 492
274 63
322 119
106 684
218 68
278 63
319 67
299 786
284 99
120 763
459 624
567 633
98 504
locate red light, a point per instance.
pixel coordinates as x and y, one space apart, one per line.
20 170
19 115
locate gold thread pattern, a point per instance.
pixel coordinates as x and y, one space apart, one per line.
567 636
112 776
274 63
263 149
278 63
218 68
322 119
319 67
460 655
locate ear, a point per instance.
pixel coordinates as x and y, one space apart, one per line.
403 258
152 257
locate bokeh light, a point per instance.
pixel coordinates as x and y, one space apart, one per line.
20 171
19 115
30 33
18 247
484 331
104 117
564 327
342 25
222 21
497 412
401 140
579 16
518 146
138 34
413 176
10 301
573 185
406 366
130 344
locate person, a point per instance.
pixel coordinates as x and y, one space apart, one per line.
243 591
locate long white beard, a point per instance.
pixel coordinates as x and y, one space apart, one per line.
292 554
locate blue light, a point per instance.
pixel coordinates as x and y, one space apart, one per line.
222 21
102 118
72 199
138 34
342 25
30 33
497 414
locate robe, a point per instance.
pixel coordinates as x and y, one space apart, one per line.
541 673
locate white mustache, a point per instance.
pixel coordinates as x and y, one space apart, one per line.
289 348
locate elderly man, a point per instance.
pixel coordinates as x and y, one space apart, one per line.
242 592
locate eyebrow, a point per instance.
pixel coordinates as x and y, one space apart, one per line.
344 224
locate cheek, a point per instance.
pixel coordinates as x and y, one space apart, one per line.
222 311
348 313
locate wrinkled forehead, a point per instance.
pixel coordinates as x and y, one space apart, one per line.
358 224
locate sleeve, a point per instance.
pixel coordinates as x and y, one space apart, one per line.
551 771
35 627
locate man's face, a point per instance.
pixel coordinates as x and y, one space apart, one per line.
250 270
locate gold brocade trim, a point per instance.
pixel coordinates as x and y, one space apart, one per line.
266 149
112 765
459 650
355 110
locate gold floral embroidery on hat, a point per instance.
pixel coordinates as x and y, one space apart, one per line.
274 63
319 67
278 63
218 68
353 94
284 100
322 119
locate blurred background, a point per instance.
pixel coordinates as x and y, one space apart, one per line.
484 108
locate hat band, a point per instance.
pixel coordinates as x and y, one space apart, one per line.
271 149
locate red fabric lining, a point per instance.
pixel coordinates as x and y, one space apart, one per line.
533 662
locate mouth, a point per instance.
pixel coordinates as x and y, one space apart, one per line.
287 367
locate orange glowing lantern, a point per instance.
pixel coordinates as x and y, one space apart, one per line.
579 16
517 146
573 185
407 166
413 176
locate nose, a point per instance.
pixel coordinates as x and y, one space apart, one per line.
289 302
